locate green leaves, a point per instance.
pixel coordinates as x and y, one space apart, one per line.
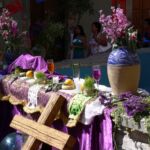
40 75
77 7
52 31
89 83
117 114
80 6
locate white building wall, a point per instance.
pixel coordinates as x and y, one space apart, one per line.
88 19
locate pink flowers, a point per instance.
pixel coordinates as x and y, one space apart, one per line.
8 26
116 27
5 34
9 30
14 27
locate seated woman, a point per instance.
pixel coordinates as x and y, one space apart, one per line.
98 43
79 43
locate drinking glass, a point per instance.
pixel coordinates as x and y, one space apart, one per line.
96 72
76 70
76 75
51 67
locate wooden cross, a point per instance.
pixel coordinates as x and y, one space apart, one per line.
39 131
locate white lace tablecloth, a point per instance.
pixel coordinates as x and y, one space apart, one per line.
33 95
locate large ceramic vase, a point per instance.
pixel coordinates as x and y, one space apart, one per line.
123 69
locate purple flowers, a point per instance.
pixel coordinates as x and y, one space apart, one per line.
126 103
133 104
125 95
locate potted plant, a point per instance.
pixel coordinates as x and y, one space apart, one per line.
123 66
51 36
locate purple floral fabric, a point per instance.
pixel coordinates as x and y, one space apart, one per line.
97 136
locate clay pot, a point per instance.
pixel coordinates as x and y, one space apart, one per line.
123 69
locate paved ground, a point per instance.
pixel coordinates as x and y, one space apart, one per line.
100 58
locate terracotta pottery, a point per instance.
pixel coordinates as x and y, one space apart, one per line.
123 69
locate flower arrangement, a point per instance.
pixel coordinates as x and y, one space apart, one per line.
118 29
134 107
10 35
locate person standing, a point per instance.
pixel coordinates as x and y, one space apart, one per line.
79 42
98 42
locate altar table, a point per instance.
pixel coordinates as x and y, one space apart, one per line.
96 136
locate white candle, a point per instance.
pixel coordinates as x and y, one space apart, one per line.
55 79
78 82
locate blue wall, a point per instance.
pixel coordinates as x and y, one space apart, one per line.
145 72
86 71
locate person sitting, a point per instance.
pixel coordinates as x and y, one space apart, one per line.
79 42
98 43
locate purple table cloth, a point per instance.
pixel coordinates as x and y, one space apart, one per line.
97 136
27 61
36 63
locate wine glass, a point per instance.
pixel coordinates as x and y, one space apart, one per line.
51 67
96 72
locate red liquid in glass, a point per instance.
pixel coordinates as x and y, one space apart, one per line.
51 67
96 74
